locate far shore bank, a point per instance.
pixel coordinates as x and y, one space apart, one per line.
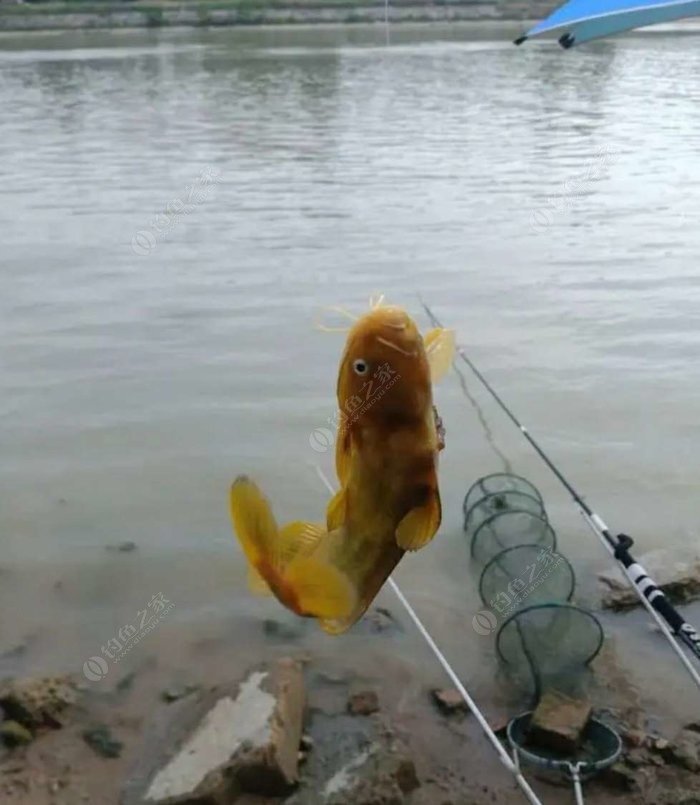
76 15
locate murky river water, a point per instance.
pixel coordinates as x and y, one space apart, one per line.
544 203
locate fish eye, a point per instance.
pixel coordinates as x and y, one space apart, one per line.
360 366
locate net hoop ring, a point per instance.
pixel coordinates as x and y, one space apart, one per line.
498 556
489 520
515 492
517 730
533 490
520 612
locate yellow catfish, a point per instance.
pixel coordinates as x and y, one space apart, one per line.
386 459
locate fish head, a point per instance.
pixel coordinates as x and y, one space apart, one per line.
384 371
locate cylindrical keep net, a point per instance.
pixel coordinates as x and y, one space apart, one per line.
543 641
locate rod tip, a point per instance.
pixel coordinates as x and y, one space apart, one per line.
520 40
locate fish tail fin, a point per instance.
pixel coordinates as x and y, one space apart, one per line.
320 588
256 583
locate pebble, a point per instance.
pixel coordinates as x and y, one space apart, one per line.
100 740
13 733
176 692
449 701
363 704
635 738
282 631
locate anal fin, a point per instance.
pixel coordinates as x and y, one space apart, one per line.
320 589
297 538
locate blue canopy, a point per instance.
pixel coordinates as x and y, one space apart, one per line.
582 20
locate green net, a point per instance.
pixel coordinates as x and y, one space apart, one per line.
525 574
508 529
498 482
549 647
543 641
498 503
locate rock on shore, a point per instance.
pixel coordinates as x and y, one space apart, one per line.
244 737
677 576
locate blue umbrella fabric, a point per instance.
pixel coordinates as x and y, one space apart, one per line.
582 20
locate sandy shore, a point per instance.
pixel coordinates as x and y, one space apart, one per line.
453 762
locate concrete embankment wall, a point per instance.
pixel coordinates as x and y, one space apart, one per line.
22 18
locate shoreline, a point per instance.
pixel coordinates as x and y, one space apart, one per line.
127 15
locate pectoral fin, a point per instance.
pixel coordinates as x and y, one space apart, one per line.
421 523
321 590
440 348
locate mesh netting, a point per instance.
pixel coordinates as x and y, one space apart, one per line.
498 482
549 646
499 502
508 529
525 573
543 641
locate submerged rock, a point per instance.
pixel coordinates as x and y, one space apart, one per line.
12 733
280 630
242 737
123 547
382 774
682 752
619 777
381 620
678 577
100 740
558 722
363 704
40 702
449 701
176 692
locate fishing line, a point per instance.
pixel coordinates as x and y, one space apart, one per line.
669 620
471 704
488 433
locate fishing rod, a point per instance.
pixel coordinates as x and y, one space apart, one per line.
669 620
504 757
